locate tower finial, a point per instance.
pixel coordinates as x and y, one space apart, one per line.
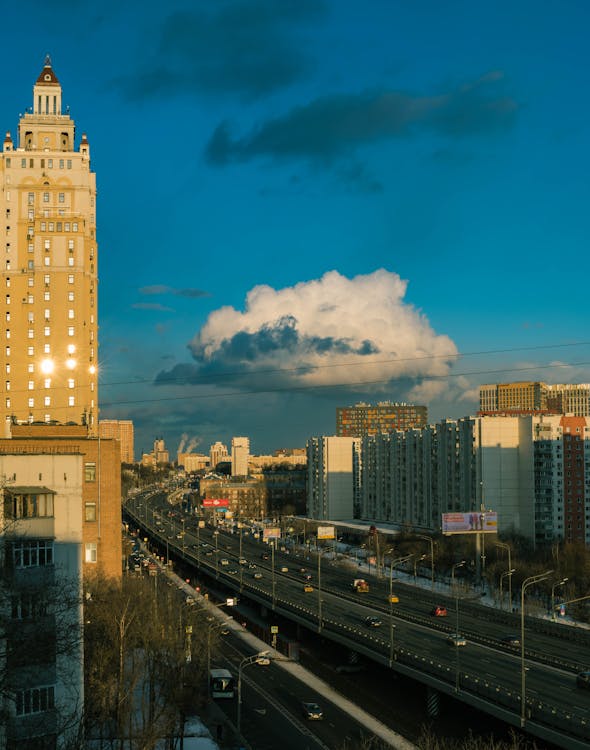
47 61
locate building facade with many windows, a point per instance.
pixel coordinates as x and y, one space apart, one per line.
533 470
373 419
48 260
121 430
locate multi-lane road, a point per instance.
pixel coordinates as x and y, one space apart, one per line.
486 673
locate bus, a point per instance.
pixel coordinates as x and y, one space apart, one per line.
221 683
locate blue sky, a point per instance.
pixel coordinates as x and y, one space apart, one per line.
308 203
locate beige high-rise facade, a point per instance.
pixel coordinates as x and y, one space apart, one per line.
48 307
121 430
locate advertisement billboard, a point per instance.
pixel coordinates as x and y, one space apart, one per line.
215 502
326 532
482 522
271 533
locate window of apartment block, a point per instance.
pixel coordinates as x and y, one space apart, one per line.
90 471
90 512
47 401
70 278
71 401
34 700
90 554
31 505
31 403
8 403
32 553
61 197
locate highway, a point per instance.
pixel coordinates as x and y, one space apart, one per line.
486 673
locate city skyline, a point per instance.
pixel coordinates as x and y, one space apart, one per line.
309 204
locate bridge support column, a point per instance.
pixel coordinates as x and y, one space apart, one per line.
432 703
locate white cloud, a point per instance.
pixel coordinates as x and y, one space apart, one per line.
327 331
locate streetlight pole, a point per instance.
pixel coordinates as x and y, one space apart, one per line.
455 566
505 546
416 561
430 540
392 565
272 554
525 584
216 535
509 574
260 658
319 592
183 537
240 560
555 585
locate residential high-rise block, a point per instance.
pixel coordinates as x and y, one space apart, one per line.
374 419
527 397
240 453
48 259
121 430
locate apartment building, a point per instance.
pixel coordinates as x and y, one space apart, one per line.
123 431
332 477
535 396
533 470
373 419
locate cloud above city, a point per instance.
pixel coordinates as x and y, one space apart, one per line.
248 48
335 126
333 331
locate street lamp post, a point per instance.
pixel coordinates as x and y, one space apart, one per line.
260 658
525 584
183 537
240 560
505 546
553 587
392 565
455 566
430 540
216 535
502 577
416 561
319 592
272 554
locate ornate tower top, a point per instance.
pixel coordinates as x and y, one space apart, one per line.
47 77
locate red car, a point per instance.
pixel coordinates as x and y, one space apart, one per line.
439 611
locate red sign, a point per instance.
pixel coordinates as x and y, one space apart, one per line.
215 502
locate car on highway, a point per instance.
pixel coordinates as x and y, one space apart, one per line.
264 556
307 588
583 680
284 569
242 561
308 576
439 611
311 711
372 621
456 639
393 599
224 561
303 570
510 640
251 566
232 572
257 576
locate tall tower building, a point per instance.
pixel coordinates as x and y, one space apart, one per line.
240 453
48 260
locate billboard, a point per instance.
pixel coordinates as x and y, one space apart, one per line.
482 522
326 532
215 502
271 533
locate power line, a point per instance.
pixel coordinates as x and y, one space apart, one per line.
361 363
292 389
